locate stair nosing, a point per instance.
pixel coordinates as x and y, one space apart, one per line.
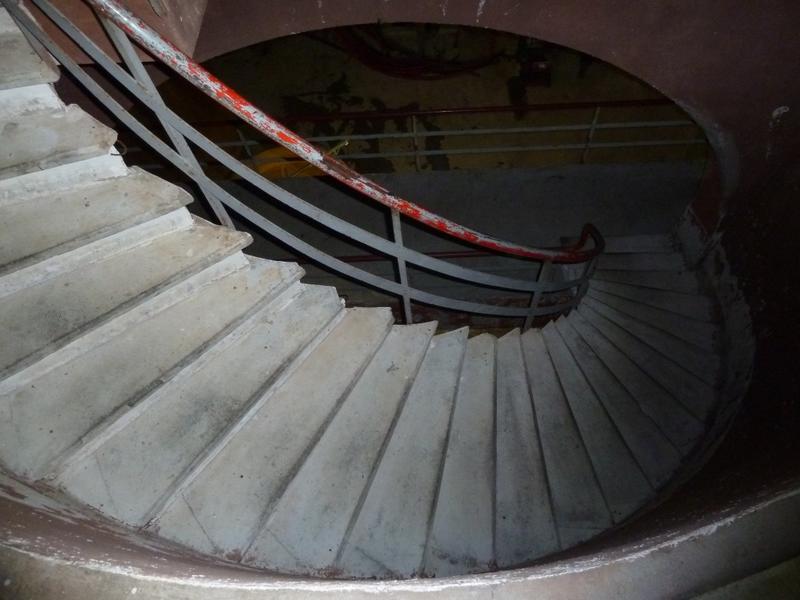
59 469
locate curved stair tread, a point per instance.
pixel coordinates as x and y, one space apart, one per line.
580 509
399 502
49 138
246 477
75 215
311 520
689 305
653 450
188 413
684 282
466 486
624 485
119 273
76 390
524 522
701 363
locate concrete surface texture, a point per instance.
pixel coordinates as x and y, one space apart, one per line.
155 375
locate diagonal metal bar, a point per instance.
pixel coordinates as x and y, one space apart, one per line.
402 271
140 74
248 213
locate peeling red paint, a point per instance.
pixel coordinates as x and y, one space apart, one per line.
205 81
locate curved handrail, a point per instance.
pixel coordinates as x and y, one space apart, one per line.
198 76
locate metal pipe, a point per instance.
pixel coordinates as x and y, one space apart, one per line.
226 96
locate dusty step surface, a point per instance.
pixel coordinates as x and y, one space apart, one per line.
49 409
524 522
400 501
49 304
43 139
310 522
184 416
684 282
230 496
466 488
63 218
21 65
579 507
689 305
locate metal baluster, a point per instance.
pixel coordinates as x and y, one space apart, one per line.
415 141
397 234
590 134
131 58
536 297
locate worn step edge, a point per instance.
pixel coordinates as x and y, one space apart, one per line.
261 398
702 398
697 361
99 250
234 246
165 207
317 435
40 183
28 99
61 468
117 326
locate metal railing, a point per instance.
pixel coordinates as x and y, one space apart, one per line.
548 295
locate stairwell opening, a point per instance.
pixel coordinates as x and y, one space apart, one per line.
511 135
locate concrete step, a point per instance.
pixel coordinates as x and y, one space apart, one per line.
699 333
466 489
701 363
45 307
642 261
399 502
652 449
524 522
21 65
37 184
688 305
329 488
169 429
49 408
633 244
37 228
684 282
681 427
231 492
49 138
578 504
696 395
17 102
621 479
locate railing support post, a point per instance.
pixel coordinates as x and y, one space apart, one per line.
590 134
402 271
536 297
135 66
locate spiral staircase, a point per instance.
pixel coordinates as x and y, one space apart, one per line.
155 376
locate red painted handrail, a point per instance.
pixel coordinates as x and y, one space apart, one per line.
229 98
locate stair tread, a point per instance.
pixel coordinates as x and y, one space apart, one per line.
245 478
29 99
629 244
624 485
701 363
110 368
21 65
695 394
642 261
680 426
653 450
700 333
188 413
689 305
61 220
466 489
684 282
49 138
50 312
325 493
578 504
524 522
390 532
